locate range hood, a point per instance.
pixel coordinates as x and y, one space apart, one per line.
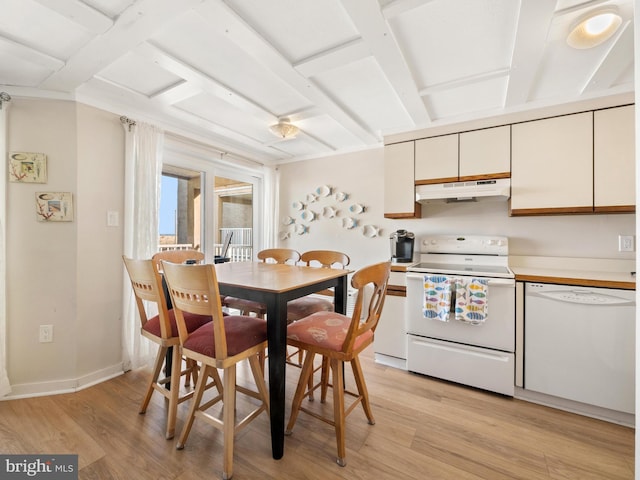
498 189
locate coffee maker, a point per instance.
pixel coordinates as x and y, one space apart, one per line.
401 246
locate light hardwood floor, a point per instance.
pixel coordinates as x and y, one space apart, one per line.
425 429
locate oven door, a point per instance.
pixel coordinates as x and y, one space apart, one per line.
496 332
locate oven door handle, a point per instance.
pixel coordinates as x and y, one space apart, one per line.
494 282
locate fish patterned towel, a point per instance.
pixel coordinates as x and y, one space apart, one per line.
471 300
437 297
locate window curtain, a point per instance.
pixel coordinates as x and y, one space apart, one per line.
143 171
5 386
271 207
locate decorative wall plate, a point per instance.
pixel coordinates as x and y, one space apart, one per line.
311 198
298 206
340 196
323 191
301 229
284 235
356 208
308 216
329 212
288 220
370 231
349 223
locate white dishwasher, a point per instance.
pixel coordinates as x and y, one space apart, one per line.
579 344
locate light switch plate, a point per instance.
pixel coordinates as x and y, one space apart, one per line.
113 219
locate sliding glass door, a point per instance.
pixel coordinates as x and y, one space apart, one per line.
203 202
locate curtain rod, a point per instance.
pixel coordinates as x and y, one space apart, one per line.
127 121
4 97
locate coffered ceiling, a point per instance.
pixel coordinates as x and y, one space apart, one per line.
346 72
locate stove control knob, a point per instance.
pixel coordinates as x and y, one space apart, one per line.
491 242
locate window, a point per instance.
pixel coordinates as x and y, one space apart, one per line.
180 209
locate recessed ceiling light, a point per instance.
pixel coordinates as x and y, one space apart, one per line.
594 28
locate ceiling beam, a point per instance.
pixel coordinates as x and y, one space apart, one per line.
614 62
132 27
369 21
333 58
26 53
531 33
81 13
227 22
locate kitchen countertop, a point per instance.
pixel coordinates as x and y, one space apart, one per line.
586 272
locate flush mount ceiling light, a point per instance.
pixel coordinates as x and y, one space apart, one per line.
284 129
594 28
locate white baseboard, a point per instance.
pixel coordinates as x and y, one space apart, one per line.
390 361
612 416
55 387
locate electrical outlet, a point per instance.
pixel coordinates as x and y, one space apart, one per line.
46 333
626 243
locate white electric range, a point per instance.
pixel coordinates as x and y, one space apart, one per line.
460 312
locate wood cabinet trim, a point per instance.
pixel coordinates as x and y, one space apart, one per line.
579 282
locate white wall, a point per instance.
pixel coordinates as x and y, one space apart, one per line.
67 274
361 176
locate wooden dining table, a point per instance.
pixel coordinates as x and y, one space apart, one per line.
274 285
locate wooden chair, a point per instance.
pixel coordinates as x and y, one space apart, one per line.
221 344
272 255
180 256
162 330
323 333
177 256
305 306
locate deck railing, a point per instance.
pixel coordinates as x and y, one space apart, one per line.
240 249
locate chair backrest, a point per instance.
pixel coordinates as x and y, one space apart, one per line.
146 282
226 244
177 256
325 258
279 255
194 289
375 277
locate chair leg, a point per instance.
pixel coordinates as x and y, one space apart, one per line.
303 381
362 389
324 379
195 403
162 351
174 393
338 410
228 417
257 368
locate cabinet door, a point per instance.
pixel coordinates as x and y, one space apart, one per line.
399 188
437 159
485 153
552 165
391 335
614 159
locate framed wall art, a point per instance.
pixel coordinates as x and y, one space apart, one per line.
27 167
54 206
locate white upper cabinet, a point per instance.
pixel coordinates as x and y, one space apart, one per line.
485 153
552 165
614 159
399 188
437 159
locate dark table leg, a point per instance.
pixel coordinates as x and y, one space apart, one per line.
168 358
277 341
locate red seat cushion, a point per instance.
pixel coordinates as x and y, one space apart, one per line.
305 306
242 334
192 321
325 329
